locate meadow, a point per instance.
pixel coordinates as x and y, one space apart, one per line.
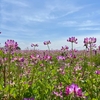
66 74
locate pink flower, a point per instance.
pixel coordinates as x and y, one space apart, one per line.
37 56
18 59
72 39
89 40
97 72
11 44
21 59
47 57
47 42
73 88
34 45
61 58
33 57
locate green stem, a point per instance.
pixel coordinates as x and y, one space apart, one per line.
72 53
19 86
91 54
4 72
97 87
34 48
9 70
48 48
72 50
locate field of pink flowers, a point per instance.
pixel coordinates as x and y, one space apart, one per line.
50 74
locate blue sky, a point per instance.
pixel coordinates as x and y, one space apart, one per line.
36 21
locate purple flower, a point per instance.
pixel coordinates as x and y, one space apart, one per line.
47 42
21 59
34 45
33 57
37 56
97 72
73 88
47 57
61 58
11 44
89 40
18 59
65 48
72 56
72 39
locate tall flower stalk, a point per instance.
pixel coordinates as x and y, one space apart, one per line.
9 61
47 43
34 45
72 40
4 72
65 50
10 46
90 41
19 73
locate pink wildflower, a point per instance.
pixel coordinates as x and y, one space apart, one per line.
97 72
61 58
73 88
89 40
11 44
47 42
72 39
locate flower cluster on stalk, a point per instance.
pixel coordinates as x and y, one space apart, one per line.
47 42
72 39
75 90
90 41
11 44
34 45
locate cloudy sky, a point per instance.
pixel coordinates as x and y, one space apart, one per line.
36 21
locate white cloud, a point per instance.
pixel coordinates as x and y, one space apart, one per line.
33 18
89 23
81 25
89 28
